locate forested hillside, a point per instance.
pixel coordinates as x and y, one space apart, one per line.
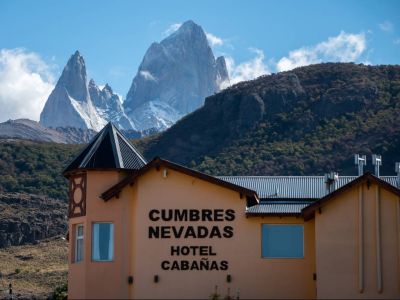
307 121
35 168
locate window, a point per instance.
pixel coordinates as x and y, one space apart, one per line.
103 242
79 243
282 241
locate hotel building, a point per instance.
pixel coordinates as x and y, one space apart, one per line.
156 229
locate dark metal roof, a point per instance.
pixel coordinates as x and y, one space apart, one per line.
109 149
292 187
308 212
278 207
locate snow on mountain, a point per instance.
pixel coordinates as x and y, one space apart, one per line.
109 106
75 103
155 115
174 78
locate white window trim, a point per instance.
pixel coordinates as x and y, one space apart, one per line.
282 257
79 237
112 243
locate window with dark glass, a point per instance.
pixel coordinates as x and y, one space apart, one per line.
282 241
103 242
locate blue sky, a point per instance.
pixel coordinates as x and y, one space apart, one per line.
38 37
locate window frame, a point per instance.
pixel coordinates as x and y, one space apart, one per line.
79 237
112 242
283 257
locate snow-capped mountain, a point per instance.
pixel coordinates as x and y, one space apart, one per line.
109 105
73 103
174 78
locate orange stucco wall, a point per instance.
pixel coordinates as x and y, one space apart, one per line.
252 276
97 280
347 241
141 257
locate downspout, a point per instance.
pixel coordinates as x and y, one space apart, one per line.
378 242
360 241
398 235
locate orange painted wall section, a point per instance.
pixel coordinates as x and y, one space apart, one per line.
138 256
252 276
99 280
338 247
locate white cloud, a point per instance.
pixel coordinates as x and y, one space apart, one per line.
214 40
386 26
147 75
247 70
346 47
25 84
172 28
396 41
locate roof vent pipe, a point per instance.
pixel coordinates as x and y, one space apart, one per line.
331 180
377 162
397 170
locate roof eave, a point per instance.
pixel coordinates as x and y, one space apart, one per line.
81 170
250 214
158 162
309 211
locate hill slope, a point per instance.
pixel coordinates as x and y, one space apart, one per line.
30 130
306 121
34 270
35 168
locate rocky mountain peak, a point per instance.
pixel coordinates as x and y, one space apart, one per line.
107 89
189 30
76 103
73 78
174 78
222 72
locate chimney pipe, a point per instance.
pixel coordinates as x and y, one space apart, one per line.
360 161
377 162
331 180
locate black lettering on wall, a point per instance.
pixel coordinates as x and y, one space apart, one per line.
181 215
228 232
154 232
152 214
229 215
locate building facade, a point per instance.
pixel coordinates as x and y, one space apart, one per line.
158 230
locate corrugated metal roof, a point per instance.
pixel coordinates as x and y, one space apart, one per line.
278 207
291 187
109 149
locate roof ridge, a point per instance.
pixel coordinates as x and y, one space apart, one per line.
105 152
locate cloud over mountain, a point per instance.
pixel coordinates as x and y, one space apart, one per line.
25 83
345 47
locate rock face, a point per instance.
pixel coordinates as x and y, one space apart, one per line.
30 130
304 121
174 78
26 218
70 103
109 106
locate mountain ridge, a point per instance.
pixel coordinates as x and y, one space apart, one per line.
173 79
288 123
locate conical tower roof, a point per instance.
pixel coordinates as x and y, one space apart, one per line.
109 149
